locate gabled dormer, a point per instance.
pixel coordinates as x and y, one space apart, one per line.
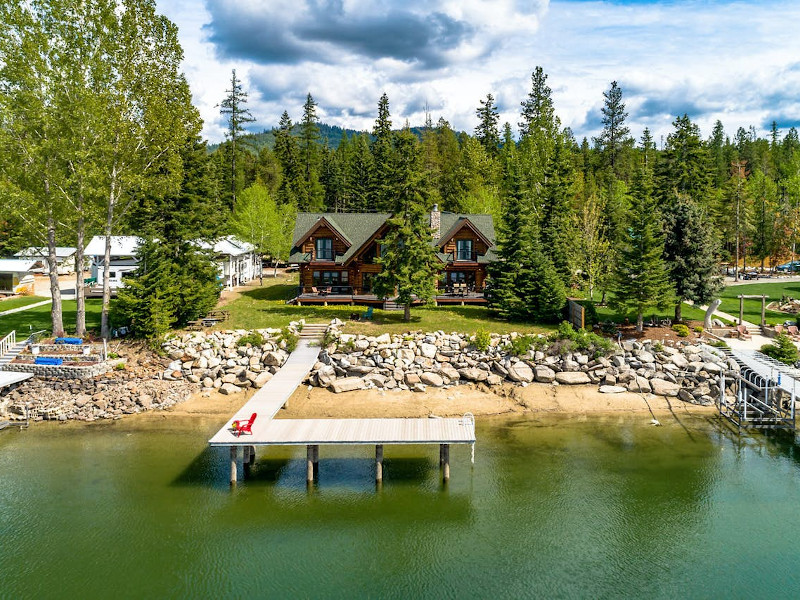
464 240
324 241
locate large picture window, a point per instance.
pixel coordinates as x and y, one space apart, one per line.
324 249
463 249
330 278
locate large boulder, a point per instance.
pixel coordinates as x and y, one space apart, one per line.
326 375
427 350
611 389
262 379
229 388
449 372
544 374
573 378
679 361
272 359
662 387
639 384
473 374
520 371
433 379
347 384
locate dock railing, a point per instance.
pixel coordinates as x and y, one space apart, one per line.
8 343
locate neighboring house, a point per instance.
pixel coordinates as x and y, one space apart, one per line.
16 276
236 261
123 258
65 259
338 252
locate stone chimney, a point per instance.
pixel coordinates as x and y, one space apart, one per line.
436 222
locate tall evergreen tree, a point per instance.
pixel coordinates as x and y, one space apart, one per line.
311 191
177 279
683 168
233 107
640 278
689 251
360 175
382 155
615 138
487 132
407 259
288 154
538 112
557 227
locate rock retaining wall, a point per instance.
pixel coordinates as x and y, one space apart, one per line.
415 362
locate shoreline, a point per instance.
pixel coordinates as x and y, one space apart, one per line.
535 399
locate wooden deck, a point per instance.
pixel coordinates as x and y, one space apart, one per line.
372 300
267 431
302 432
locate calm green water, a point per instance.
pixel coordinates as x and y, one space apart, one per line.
599 508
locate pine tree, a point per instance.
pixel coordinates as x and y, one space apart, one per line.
360 176
311 191
615 138
538 112
486 132
177 279
407 260
382 155
557 228
640 278
288 154
689 251
238 116
683 168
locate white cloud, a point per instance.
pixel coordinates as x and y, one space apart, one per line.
727 60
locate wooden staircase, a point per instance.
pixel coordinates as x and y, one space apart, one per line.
9 348
313 331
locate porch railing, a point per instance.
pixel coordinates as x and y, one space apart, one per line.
8 343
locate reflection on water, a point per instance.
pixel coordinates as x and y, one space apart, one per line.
599 507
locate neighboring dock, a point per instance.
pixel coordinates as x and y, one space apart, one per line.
312 433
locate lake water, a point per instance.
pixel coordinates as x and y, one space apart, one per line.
556 507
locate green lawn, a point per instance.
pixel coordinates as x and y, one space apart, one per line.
689 313
752 307
12 303
266 307
37 319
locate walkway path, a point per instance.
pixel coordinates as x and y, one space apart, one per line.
26 307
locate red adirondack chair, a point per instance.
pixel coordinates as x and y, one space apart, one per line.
241 427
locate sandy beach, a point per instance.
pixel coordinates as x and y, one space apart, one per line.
313 402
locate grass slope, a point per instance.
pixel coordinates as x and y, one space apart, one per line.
12 303
752 307
37 319
266 307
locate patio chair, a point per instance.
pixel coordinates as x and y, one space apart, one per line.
240 427
743 333
368 314
793 332
779 330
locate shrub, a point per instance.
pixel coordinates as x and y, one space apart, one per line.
253 338
719 344
328 339
681 330
482 340
590 315
120 366
290 338
113 355
698 329
782 349
521 344
658 347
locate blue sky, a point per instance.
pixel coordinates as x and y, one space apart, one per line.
713 59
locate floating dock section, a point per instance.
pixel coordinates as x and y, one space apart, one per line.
312 433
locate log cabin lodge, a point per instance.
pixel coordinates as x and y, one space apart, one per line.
337 254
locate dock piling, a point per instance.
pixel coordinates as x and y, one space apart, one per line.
310 463
233 465
379 463
445 451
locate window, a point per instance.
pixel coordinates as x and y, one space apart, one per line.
324 249
330 278
464 250
366 282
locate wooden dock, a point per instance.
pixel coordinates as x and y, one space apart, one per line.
10 378
267 431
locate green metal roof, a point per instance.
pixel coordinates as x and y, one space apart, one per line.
357 228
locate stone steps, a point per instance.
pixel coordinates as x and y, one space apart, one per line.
12 354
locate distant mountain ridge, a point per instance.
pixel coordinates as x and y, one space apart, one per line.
330 135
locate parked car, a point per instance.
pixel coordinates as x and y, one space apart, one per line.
789 266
